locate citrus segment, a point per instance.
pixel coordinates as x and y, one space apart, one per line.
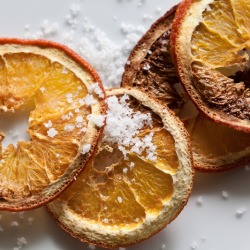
226 147
214 65
60 86
133 193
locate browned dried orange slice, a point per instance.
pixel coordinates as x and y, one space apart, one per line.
138 181
68 106
213 145
150 67
210 42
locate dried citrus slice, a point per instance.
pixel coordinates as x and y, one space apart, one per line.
210 42
213 145
150 67
68 103
138 181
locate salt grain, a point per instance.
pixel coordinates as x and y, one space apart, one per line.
199 201
48 124
119 198
240 211
225 195
91 246
52 132
42 89
88 100
98 120
86 148
69 127
163 246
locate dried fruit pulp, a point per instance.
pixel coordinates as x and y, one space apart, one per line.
39 77
131 198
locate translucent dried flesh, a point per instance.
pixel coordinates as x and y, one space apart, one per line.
113 191
28 79
221 142
222 33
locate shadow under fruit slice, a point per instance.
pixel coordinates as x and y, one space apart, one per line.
210 42
215 147
137 182
66 94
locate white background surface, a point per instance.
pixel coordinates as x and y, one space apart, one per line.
208 222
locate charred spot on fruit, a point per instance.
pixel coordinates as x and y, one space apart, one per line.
223 93
157 73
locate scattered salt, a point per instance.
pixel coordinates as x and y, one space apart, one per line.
69 127
163 246
199 201
119 198
240 211
98 120
225 195
86 148
95 88
52 132
106 220
42 89
48 124
91 246
14 224
88 100
69 97
67 116
123 125
125 170
194 245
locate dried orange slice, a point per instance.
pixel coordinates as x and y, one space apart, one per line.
68 105
210 42
150 67
138 181
213 145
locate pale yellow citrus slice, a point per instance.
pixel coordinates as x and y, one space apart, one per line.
65 93
137 182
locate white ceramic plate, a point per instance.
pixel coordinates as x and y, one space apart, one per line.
217 216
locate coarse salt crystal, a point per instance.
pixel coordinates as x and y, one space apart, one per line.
224 194
199 201
98 120
14 224
91 246
194 245
42 89
86 148
69 97
48 124
119 198
105 220
240 211
69 127
88 100
163 246
146 66
125 170
67 116
1 229
52 132
79 118
131 165
95 88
